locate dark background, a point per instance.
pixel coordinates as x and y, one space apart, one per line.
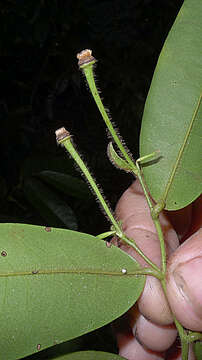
42 89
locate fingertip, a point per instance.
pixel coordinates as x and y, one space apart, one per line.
153 304
131 349
162 336
184 285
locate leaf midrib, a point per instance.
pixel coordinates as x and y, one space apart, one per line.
66 271
181 151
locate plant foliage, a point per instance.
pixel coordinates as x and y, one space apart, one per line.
172 116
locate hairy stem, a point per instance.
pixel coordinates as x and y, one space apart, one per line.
132 244
63 137
162 244
86 62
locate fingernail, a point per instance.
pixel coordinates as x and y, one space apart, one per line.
134 328
188 278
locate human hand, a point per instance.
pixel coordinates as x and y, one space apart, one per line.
147 331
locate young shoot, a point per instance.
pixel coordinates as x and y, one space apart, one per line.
64 138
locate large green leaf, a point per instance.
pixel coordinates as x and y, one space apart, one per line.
172 121
57 285
90 355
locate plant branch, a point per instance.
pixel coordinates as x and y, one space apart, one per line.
86 62
63 137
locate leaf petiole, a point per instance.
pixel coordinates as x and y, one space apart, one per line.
106 234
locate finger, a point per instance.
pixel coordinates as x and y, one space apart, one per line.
136 347
153 304
131 210
184 282
133 350
152 336
135 323
134 213
128 345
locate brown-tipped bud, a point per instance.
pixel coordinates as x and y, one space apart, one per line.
61 134
85 57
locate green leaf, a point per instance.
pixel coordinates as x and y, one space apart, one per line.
57 285
49 204
173 111
68 184
116 160
90 355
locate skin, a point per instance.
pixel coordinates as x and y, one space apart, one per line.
147 331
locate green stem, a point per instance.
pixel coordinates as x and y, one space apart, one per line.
88 71
144 190
149 272
155 214
87 68
162 244
63 137
132 244
86 62
139 174
194 336
185 349
155 217
182 334
106 234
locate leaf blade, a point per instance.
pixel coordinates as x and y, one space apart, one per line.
116 160
82 288
168 122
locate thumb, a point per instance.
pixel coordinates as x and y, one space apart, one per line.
184 282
